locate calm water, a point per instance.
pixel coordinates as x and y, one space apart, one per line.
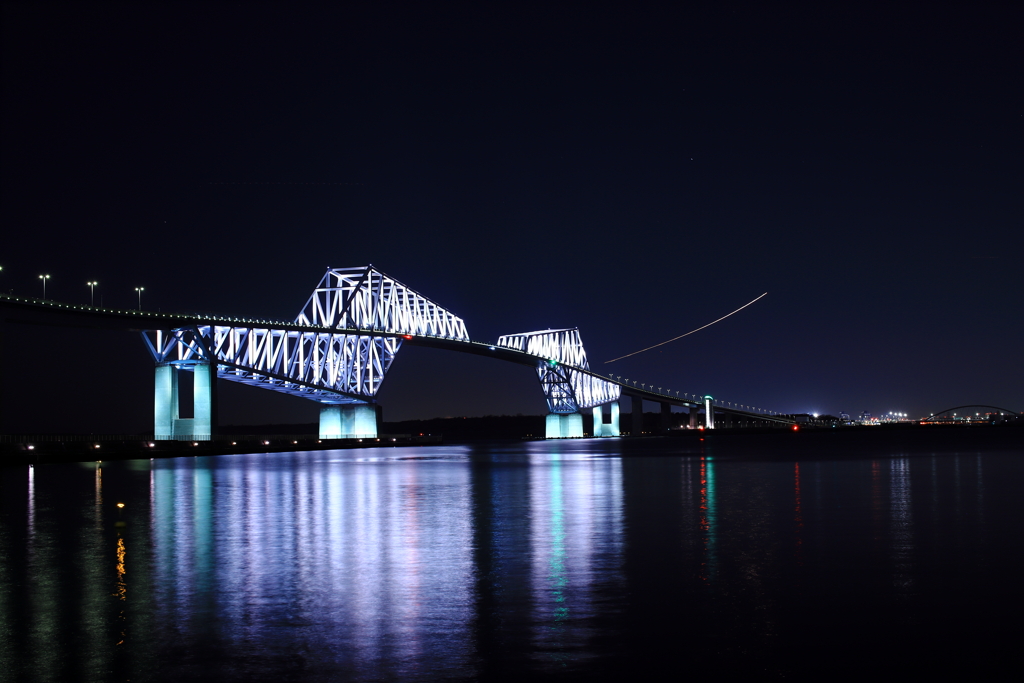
766 556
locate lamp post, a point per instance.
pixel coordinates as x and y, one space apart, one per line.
139 290
44 278
92 292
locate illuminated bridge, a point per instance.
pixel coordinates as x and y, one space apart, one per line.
972 413
338 351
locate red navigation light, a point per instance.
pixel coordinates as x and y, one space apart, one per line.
796 428
406 336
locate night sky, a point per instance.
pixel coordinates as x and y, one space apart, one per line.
634 172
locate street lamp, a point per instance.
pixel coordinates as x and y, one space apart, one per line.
92 292
44 278
139 290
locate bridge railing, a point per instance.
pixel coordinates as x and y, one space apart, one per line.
696 399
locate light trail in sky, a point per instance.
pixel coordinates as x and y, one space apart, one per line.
688 333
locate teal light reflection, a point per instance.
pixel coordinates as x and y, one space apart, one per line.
556 564
709 517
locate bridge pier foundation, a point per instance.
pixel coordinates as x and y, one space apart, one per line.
204 377
638 416
606 429
168 425
165 402
694 417
612 429
353 421
553 426
562 426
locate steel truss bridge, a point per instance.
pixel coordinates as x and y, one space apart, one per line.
339 348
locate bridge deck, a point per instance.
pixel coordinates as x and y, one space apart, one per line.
47 312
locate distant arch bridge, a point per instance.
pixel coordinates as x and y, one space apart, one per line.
949 412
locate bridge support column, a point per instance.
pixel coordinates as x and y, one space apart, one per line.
612 429
167 421
165 402
204 376
694 417
364 421
606 429
709 413
558 426
330 422
572 426
553 426
666 417
358 421
638 416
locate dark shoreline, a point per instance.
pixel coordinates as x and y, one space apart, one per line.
78 448
837 441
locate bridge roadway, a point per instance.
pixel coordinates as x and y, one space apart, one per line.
50 313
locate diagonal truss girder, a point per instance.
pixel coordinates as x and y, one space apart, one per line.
366 299
561 369
355 320
329 367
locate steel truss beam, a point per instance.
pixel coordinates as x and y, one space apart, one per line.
366 299
322 366
566 389
359 316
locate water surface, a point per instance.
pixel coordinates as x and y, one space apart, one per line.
588 559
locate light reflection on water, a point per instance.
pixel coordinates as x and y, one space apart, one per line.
345 559
576 539
901 532
489 562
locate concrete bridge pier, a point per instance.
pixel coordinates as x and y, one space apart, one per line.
609 429
638 416
348 421
168 425
563 426
694 417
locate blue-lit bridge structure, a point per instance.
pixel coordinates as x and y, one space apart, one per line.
338 350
